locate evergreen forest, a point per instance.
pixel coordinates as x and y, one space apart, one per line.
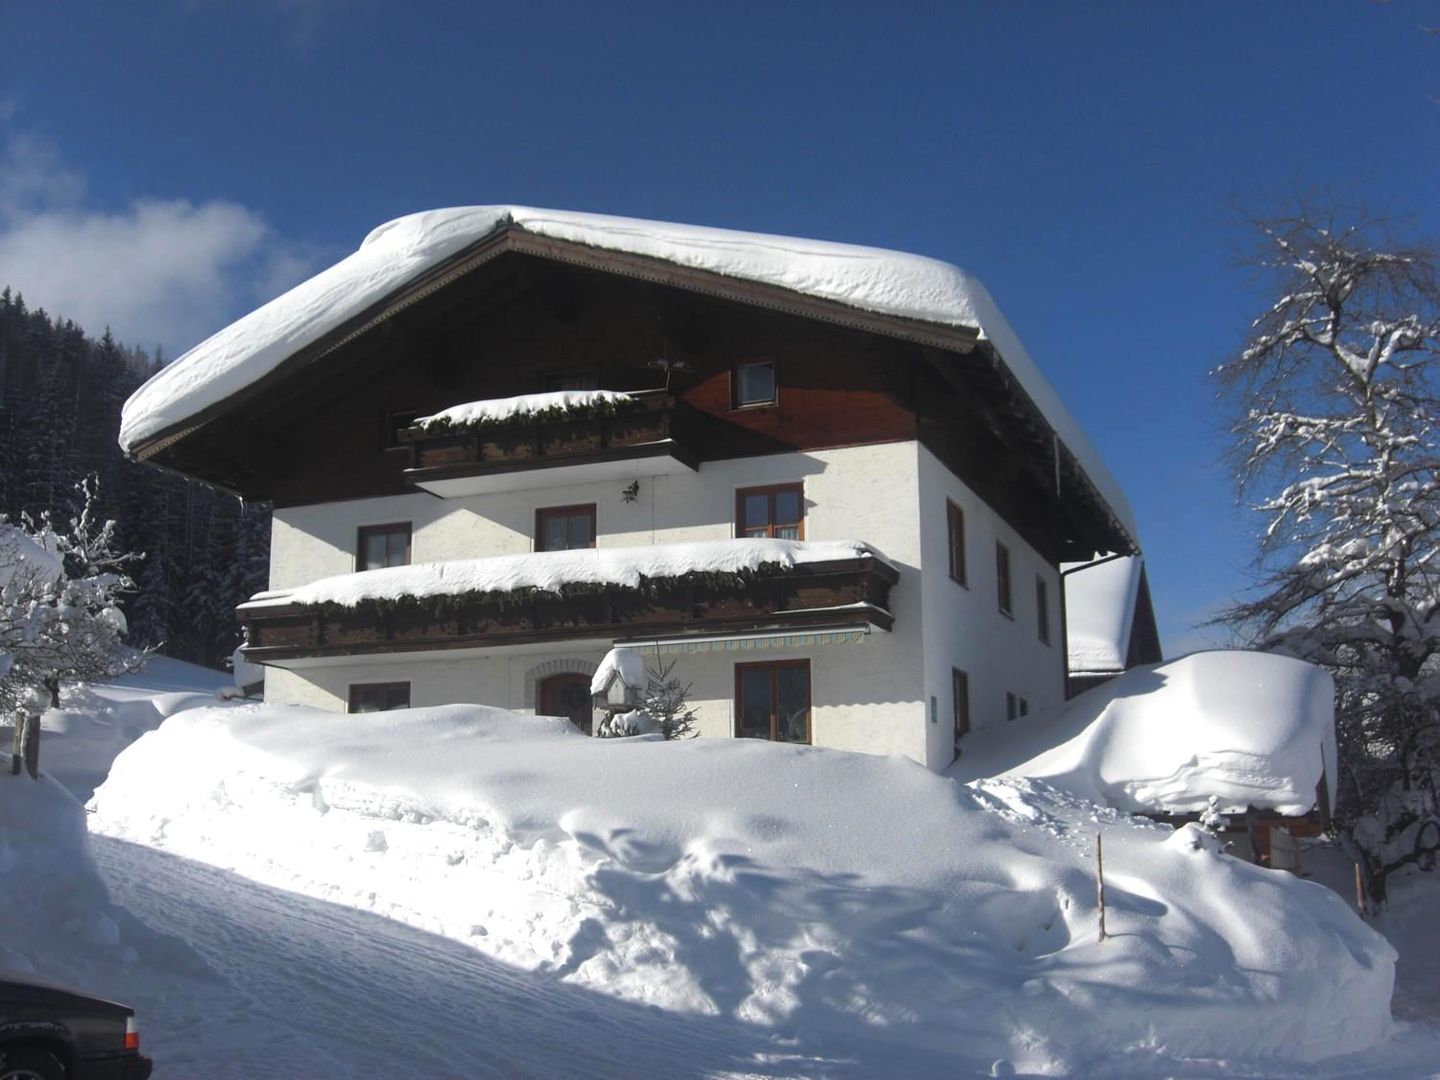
60 398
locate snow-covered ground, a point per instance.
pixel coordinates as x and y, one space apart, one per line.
463 892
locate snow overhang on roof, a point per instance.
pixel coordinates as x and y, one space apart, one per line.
396 254
1100 599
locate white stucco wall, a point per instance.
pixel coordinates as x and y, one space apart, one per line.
864 697
963 626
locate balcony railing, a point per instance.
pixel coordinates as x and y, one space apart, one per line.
448 462
810 596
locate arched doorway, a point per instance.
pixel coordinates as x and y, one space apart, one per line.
567 694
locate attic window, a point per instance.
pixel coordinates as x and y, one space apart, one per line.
753 384
379 546
396 420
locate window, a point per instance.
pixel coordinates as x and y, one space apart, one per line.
955 518
395 421
1024 707
1002 577
378 546
777 511
753 384
1042 609
572 380
772 701
379 697
565 528
960 692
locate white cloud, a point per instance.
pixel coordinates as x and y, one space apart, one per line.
156 272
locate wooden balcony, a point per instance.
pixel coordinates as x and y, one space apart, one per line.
811 596
576 451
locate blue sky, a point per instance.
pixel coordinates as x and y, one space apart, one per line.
164 167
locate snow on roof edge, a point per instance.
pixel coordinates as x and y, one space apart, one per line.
397 252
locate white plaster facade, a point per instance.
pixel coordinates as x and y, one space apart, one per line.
874 695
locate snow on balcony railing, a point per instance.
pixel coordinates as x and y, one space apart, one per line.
554 571
526 409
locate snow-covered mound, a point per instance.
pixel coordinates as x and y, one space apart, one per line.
96 721
1252 729
800 889
551 571
872 279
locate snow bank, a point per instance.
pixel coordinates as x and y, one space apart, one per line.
56 918
498 410
396 253
1100 613
1253 729
805 890
550 571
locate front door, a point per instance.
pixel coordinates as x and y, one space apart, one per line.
567 695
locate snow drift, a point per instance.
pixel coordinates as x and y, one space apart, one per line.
801 889
872 279
1252 729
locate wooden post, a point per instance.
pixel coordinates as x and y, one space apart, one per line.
30 745
1359 890
1100 879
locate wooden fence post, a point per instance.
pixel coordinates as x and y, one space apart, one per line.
1359 891
1100 879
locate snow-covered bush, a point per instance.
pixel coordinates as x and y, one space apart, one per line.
59 614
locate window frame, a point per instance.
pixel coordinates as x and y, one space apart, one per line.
775 666
767 403
1004 585
572 510
355 689
364 532
395 420
551 380
955 529
769 490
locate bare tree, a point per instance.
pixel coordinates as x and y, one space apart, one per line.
1334 400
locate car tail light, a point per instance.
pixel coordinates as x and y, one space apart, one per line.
132 1033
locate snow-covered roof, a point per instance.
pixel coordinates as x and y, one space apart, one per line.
870 279
1100 613
1252 729
627 664
549 571
495 410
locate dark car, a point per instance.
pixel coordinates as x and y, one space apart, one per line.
51 1032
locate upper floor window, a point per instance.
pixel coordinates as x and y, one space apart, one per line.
572 380
777 511
378 546
1002 578
565 528
955 518
397 420
1042 609
379 697
753 384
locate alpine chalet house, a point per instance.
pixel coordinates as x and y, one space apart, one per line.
827 482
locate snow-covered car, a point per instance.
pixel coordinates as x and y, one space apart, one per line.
51 1032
